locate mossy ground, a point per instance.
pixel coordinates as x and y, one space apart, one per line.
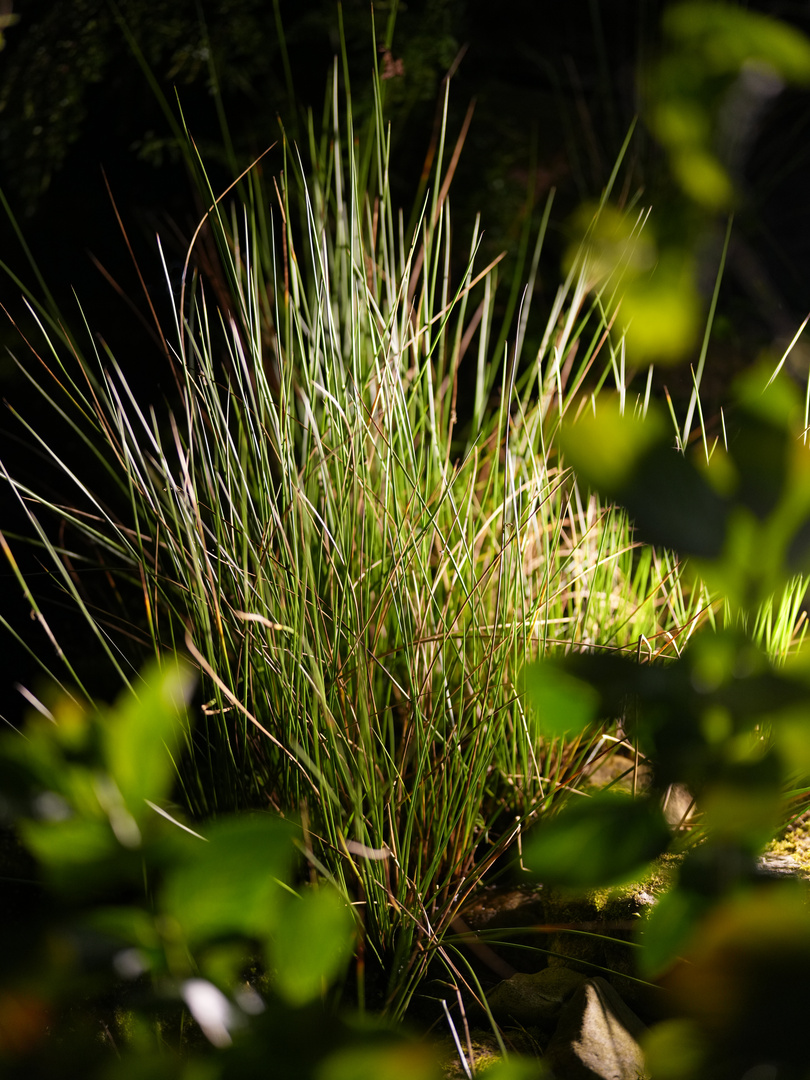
795 842
485 1050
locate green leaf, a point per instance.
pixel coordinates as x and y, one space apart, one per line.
669 929
6 21
662 312
703 178
313 944
673 504
609 242
674 1050
761 452
79 856
596 842
745 976
401 1061
72 843
634 462
232 884
769 399
517 1068
729 37
744 806
559 702
791 733
605 446
143 734
131 924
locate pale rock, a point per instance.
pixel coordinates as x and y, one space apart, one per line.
678 806
773 864
596 1037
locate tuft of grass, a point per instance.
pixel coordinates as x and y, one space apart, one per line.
357 522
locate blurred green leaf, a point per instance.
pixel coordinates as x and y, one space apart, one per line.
760 440
605 445
714 658
668 929
745 977
313 944
661 312
223 963
674 1050
68 844
772 399
744 806
728 37
132 925
703 178
718 60
634 461
609 241
400 1061
679 121
6 22
516 1068
791 733
142 735
673 504
231 881
78 856
604 840
56 756
559 702
745 514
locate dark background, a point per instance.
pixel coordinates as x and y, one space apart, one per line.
555 92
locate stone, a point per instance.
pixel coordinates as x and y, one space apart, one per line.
534 999
678 806
596 1037
779 864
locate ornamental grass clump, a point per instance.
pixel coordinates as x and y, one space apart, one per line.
358 567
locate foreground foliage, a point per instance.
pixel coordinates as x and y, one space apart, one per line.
102 976
723 720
